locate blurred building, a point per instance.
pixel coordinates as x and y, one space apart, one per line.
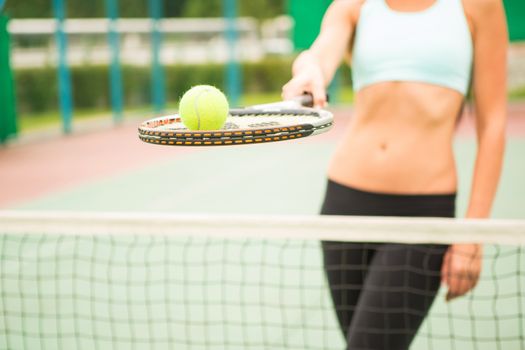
185 40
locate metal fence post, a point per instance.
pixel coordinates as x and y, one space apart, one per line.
158 84
64 75
115 76
233 70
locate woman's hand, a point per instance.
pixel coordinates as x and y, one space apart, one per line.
461 268
308 77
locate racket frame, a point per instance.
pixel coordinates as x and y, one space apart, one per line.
150 132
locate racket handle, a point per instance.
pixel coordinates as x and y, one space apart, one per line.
307 99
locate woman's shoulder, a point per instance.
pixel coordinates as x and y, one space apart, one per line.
348 4
478 10
482 5
348 7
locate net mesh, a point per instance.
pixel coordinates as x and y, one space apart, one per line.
91 281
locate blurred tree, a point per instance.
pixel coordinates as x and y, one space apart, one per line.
138 8
89 9
93 8
174 8
262 9
253 8
202 8
29 8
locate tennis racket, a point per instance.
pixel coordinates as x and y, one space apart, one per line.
279 121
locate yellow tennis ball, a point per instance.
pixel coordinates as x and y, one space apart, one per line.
204 107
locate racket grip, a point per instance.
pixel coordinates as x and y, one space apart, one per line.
307 99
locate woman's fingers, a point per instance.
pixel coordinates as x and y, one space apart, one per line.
461 269
307 82
296 87
319 95
460 284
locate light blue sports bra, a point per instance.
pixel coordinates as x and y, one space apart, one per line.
431 46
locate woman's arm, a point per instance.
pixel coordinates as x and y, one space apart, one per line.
462 264
490 94
313 69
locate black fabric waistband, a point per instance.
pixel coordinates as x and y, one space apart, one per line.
343 200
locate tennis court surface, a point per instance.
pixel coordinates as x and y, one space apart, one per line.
219 248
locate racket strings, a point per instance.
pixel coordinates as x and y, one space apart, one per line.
274 113
249 123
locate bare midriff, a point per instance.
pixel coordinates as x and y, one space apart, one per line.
400 140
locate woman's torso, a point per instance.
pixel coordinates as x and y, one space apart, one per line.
400 136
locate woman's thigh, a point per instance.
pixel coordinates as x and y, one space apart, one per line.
345 266
397 293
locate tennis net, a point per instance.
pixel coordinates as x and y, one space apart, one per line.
159 281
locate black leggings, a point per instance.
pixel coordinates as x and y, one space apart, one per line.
382 292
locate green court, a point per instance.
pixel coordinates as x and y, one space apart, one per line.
286 178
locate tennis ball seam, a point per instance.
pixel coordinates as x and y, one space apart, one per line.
196 108
196 103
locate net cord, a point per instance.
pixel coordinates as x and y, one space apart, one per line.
335 228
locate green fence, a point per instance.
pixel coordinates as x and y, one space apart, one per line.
8 126
515 10
307 15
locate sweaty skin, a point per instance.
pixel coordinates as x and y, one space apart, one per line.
400 136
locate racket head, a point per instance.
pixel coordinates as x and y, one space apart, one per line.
280 121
